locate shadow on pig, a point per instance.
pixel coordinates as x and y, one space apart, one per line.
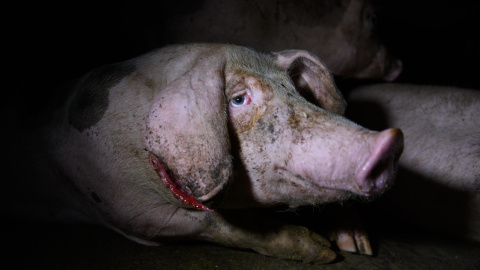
414 200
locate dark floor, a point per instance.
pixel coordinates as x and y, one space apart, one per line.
33 246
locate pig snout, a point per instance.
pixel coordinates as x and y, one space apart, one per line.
354 160
383 65
375 174
394 71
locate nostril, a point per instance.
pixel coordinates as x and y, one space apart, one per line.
378 169
376 174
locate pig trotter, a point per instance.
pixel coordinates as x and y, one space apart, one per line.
355 241
267 236
349 232
180 191
300 244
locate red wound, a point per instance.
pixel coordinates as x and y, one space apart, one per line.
175 187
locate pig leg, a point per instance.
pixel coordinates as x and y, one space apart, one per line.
268 237
247 229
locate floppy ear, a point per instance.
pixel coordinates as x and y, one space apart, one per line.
187 130
311 78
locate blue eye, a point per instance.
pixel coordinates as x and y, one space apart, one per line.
238 101
241 100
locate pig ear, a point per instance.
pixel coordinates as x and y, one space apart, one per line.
312 79
187 129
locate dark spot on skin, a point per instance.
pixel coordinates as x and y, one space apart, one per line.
91 99
270 128
210 222
150 83
293 122
215 174
261 124
95 197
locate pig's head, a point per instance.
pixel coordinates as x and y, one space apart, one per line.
266 128
365 55
351 46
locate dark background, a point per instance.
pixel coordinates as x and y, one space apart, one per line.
438 41
45 44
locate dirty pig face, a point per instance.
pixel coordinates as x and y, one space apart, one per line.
267 121
289 151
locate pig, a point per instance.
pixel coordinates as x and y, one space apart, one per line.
340 32
186 141
438 185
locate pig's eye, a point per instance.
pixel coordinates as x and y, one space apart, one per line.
241 100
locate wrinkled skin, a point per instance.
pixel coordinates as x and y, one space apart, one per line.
177 144
340 32
439 173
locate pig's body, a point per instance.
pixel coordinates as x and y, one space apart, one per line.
150 146
438 182
340 32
